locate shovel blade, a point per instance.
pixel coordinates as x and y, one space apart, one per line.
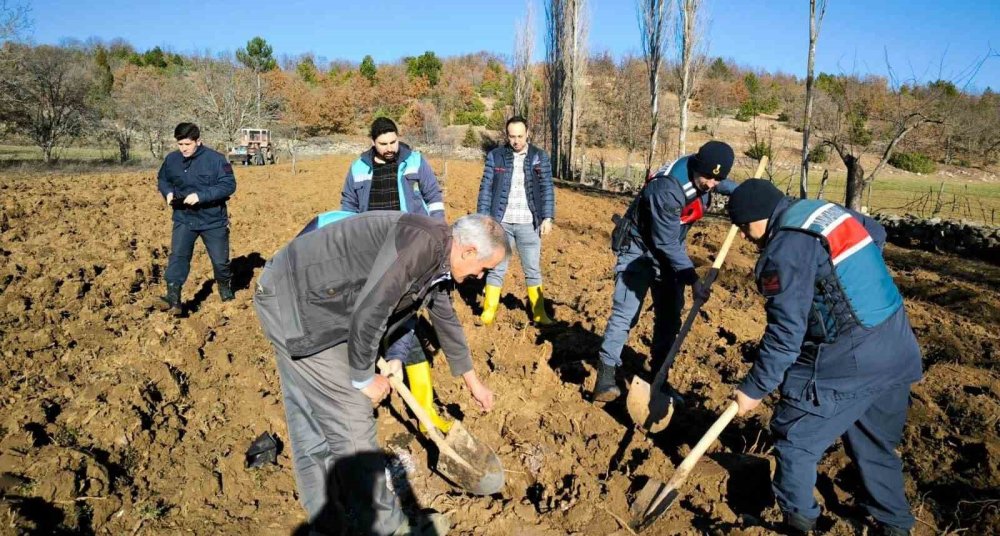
650 503
481 473
650 409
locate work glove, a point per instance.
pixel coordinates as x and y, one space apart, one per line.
699 291
546 227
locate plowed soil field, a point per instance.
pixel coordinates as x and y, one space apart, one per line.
118 419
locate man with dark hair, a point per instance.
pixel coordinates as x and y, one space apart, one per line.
196 182
391 176
373 272
516 189
838 346
652 256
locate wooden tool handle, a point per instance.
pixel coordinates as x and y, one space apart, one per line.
724 250
684 469
681 473
411 402
422 415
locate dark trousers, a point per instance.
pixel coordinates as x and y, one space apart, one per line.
635 275
182 247
871 428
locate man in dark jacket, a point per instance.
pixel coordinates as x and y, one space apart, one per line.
390 176
196 182
838 346
326 301
652 255
517 191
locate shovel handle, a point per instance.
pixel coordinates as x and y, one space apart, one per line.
684 469
421 413
707 281
681 473
411 402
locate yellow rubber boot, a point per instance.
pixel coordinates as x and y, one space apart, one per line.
419 376
490 304
538 314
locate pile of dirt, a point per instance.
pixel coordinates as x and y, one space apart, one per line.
117 418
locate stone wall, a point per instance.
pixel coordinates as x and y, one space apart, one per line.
960 237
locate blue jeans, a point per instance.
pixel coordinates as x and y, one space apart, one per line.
182 248
525 238
403 344
635 274
871 428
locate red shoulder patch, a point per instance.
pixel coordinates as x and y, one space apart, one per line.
770 283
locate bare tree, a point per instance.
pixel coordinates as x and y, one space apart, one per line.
14 20
630 94
578 67
858 114
692 62
524 39
45 93
817 9
566 60
654 16
224 96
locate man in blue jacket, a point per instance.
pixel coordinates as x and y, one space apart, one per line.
196 182
517 191
838 346
652 256
391 176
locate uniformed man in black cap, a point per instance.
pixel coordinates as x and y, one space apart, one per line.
196 182
649 242
838 347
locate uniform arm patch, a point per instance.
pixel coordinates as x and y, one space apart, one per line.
770 283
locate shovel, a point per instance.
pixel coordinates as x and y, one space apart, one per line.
655 497
462 459
648 405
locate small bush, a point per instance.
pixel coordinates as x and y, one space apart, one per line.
912 162
470 118
759 150
783 116
746 112
471 139
497 120
818 154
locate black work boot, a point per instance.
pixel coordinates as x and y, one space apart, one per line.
797 524
172 301
226 290
605 389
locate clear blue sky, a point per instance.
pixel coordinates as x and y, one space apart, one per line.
923 37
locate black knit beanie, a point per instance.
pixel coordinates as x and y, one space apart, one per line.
753 200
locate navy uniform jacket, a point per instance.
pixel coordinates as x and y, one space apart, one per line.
836 325
663 212
206 173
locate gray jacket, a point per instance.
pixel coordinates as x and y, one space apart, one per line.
357 279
